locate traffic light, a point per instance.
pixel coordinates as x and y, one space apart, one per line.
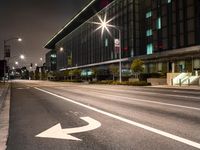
31 64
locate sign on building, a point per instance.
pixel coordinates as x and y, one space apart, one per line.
117 43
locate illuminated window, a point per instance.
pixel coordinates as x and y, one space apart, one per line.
53 55
149 32
148 14
106 42
149 49
158 23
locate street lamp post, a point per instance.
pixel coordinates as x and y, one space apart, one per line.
103 25
5 41
120 56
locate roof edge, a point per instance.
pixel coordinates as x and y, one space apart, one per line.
73 18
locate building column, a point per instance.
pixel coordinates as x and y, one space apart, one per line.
173 67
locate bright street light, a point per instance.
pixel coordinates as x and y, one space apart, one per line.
104 25
61 49
22 56
19 39
41 59
36 65
16 63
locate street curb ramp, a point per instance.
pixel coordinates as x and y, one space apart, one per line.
4 118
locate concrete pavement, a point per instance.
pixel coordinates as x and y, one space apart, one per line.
4 114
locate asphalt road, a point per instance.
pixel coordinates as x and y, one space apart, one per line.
49 116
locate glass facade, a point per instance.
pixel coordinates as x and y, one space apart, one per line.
87 46
173 23
50 60
147 27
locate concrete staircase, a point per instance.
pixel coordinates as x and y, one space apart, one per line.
186 79
180 77
191 80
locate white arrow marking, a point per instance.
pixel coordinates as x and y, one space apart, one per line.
57 132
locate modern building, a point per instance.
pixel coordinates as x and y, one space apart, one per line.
50 60
163 33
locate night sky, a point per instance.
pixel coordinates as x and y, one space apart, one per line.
35 21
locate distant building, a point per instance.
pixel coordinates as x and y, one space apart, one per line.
3 63
163 33
51 60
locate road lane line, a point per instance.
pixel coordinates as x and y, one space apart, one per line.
171 95
20 88
141 100
150 93
148 128
149 101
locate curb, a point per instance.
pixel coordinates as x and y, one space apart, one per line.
4 119
190 88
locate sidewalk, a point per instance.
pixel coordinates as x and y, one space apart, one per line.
183 87
3 90
4 113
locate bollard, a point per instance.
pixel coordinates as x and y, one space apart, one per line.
188 82
172 82
199 81
179 82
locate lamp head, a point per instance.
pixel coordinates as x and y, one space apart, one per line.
22 56
19 39
61 49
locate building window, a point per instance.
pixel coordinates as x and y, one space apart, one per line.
132 53
106 42
158 23
149 49
149 14
149 32
169 1
53 55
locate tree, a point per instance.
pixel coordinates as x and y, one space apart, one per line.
37 74
51 75
137 66
114 70
71 73
59 75
94 72
24 73
43 75
66 74
31 75
77 73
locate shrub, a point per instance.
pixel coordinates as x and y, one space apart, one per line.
75 80
145 76
114 70
136 83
